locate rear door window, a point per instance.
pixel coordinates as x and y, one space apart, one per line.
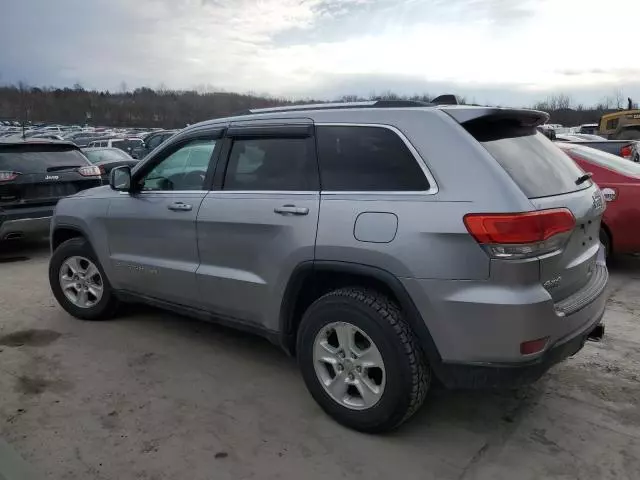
366 159
534 163
271 164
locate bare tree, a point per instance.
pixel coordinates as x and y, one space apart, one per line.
618 98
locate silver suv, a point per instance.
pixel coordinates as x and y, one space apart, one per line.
382 244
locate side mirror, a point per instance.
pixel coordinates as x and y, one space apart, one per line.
120 179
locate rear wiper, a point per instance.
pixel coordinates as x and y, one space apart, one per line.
584 178
62 167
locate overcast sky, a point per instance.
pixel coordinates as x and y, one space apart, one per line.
494 51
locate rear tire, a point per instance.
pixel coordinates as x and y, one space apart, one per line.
99 305
378 326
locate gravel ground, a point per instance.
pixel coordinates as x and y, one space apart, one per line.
157 396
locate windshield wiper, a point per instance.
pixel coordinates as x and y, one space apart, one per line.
62 167
584 178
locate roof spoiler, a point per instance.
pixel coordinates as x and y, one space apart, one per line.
524 117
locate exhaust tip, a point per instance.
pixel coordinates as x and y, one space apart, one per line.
596 334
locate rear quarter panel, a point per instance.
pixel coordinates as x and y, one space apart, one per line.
431 240
622 216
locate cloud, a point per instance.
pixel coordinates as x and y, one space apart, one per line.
501 48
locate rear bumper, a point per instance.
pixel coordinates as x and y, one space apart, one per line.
478 327
27 222
480 376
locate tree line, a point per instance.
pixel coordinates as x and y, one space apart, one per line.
146 107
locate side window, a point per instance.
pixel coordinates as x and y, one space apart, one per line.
185 169
271 164
364 159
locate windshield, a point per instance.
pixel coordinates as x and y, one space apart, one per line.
39 158
106 155
606 160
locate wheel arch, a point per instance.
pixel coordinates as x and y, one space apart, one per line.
62 233
607 231
311 280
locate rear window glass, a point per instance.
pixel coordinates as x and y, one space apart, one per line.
534 163
39 159
366 159
106 155
608 160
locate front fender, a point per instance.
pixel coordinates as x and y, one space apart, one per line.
87 215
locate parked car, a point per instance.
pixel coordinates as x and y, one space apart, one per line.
47 136
583 136
589 128
124 144
620 183
376 241
622 148
107 159
150 142
34 175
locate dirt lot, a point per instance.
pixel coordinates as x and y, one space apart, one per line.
156 396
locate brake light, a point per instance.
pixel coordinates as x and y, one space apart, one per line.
626 151
8 176
518 235
89 171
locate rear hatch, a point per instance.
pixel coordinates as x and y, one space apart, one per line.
551 181
39 174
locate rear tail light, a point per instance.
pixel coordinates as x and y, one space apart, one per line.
89 171
521 235
8 176
626 151
102 170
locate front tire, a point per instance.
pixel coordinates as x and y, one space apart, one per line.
361 361
79 283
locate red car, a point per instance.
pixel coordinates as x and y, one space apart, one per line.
619 180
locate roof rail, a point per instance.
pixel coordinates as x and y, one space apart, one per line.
340 105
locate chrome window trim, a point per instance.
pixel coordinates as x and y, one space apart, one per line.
166 192
433 185
261 192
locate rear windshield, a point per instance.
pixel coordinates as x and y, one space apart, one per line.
39 158
608 160
534 163
124 144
